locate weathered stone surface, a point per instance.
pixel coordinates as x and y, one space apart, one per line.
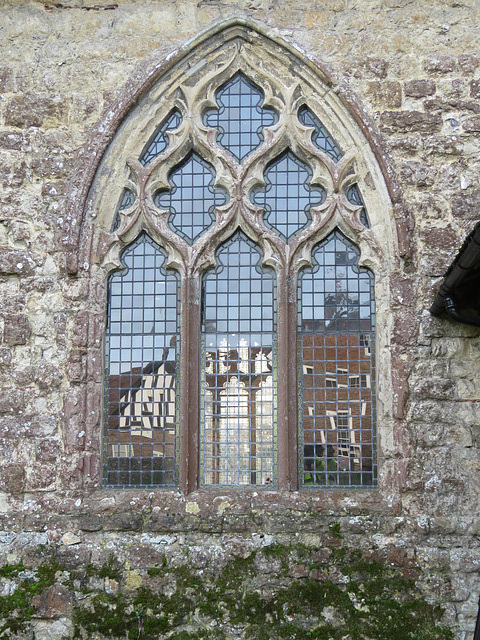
13 175
377 66
16 329
12 400
54 602
12 477
11 140
21 263
47 376
405 328
90 523
472 125
466 205
418 174
440 64
443 145
34 110
420 88
475 89
468 62
385 94
410 121
435 104
6 79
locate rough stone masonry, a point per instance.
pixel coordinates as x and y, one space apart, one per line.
80 561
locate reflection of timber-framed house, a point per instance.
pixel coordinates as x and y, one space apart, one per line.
239 407
142 416
337 397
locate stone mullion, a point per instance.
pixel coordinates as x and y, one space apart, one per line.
292 372
287 381
190 382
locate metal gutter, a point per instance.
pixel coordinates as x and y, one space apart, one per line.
457 314
476 635
464 268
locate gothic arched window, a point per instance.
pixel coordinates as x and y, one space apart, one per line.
240 344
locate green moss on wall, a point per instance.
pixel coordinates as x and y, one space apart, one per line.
16 608
331 594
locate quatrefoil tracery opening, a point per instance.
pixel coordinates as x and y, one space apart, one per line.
240 118
192 198
288 197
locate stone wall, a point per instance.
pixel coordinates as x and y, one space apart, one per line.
227 565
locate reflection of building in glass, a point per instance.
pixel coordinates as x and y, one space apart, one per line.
337 321
238 415
238 383
338 405
141 348
141 424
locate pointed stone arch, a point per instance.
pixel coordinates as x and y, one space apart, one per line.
208 56
115 199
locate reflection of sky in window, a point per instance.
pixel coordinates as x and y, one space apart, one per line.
287 197
126 200
320 137
240 117
159 142
143 317
355 197
192 198
239 294
335 293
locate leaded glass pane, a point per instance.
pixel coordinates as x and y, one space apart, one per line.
141 435
192 198
238 439
355 197
240 117
320 137
287 196
159 142
337 368
126 200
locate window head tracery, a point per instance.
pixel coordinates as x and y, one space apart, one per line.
321 138
159 141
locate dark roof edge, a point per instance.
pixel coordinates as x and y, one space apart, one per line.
465 259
